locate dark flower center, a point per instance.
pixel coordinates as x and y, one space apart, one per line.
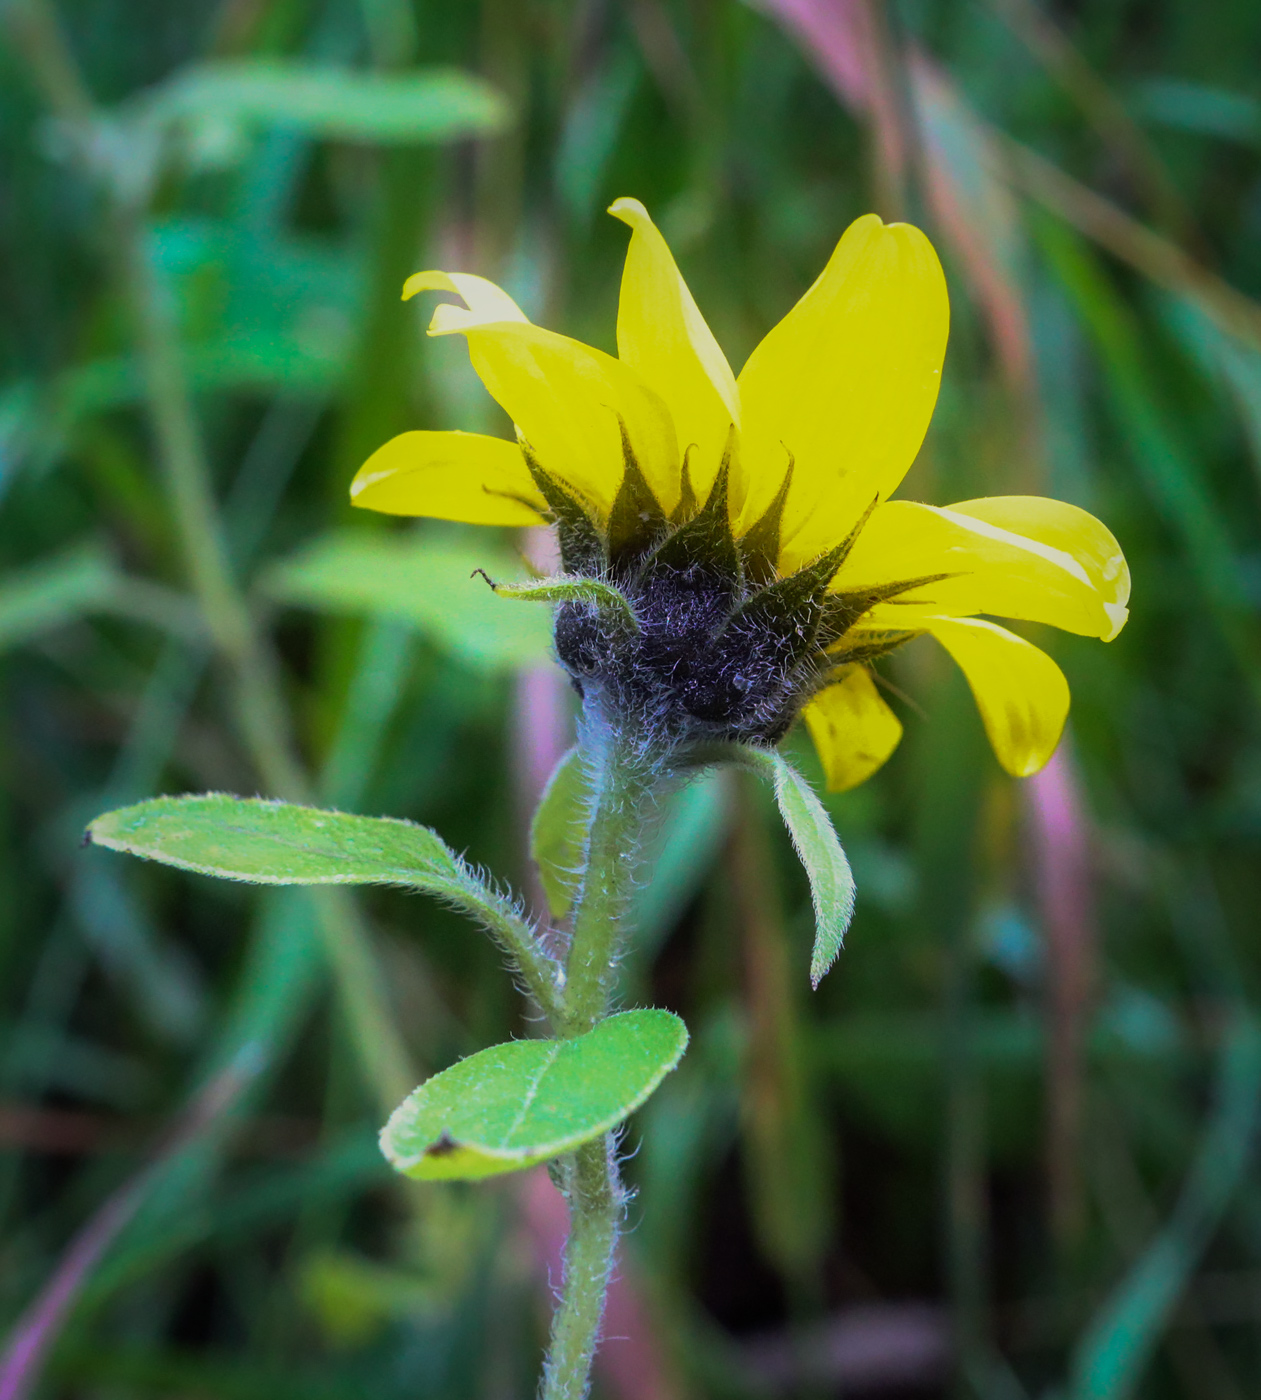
719 648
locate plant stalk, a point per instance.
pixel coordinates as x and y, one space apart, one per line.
623 790
259 707
625 793
595 1210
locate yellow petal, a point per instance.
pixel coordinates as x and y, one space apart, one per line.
485 301
852 728
1067 528
990 570
568 400
846 383
1021 693
449 476
661 332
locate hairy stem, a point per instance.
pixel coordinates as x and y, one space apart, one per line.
624 796
595 1208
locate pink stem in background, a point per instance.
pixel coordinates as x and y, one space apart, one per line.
1059 837
844 40
630 1364
841 39
979 219
542 726
40 1325
970 225
833 33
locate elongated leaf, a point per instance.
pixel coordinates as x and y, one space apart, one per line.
1221 356
338 103
280 843
816 843
531 1100
557 832
424 581
572 590
1199 107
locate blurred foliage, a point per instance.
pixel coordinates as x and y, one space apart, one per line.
1038 1123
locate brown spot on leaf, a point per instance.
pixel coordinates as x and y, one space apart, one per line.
444 1147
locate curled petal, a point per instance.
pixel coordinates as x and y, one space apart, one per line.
662 334
570 402
486 302
1021 693
852 728
846 384
988 569
449 476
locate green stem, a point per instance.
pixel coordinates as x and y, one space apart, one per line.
259 706
625 792
595 1209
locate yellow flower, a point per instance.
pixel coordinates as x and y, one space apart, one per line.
748 520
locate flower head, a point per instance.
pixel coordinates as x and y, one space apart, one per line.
750 564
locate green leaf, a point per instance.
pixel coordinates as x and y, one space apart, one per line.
571 590
558 830
530 1100
279 843
422 580
816 843
335 103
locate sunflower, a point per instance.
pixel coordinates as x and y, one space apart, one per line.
731 555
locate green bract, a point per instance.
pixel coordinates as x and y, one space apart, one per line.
514 1105
592 592
816 842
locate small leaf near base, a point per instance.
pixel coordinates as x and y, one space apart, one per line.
820 851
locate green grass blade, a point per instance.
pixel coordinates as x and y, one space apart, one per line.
1113 1354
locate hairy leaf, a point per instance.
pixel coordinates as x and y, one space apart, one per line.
602 596
530 1100
816 843
278 843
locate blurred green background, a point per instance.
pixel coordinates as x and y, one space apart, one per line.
1008 1149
